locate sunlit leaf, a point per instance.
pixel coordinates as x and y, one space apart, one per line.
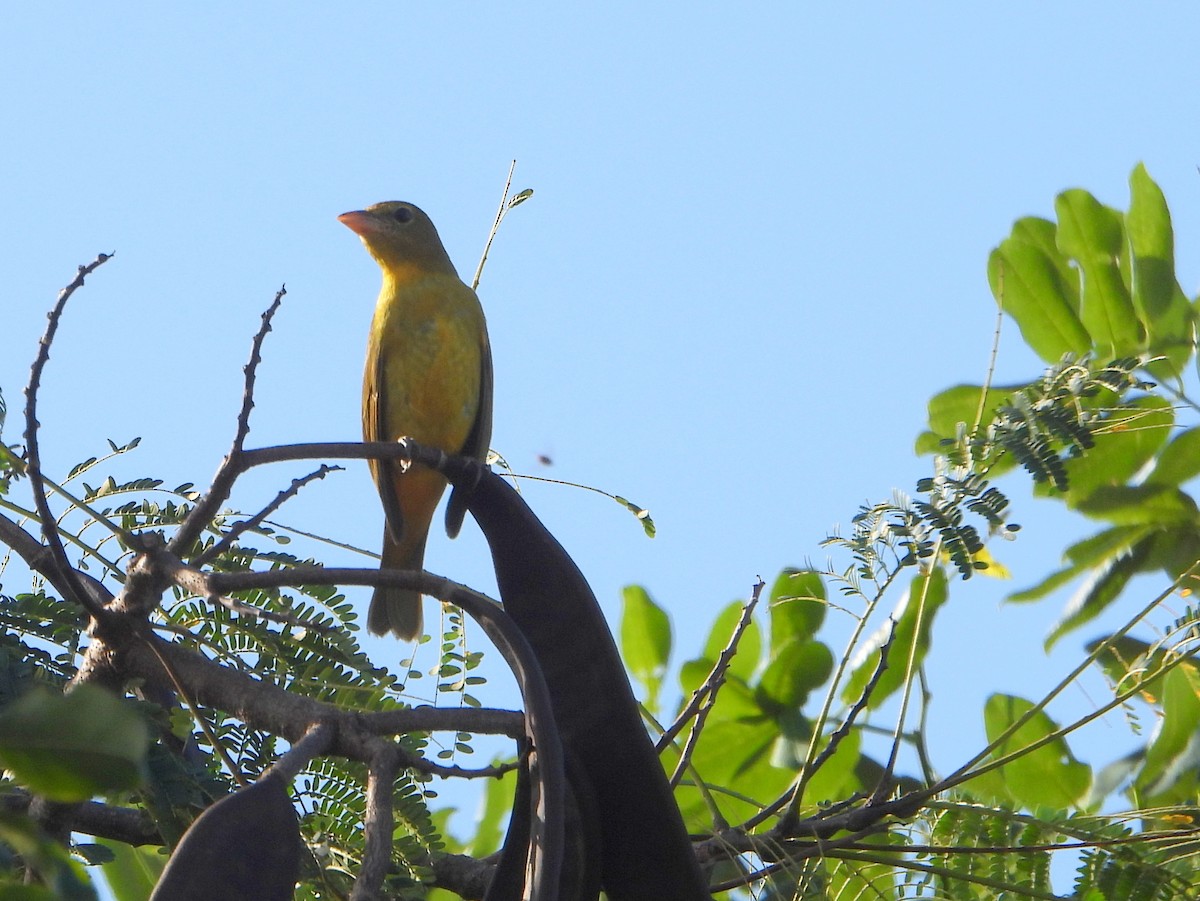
1093 235
645 639
1030 287
1047 777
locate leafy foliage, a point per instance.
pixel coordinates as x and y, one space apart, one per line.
786 753
314 654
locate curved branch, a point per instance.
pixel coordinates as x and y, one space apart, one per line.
68 579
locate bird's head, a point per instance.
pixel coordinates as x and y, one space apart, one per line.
400 237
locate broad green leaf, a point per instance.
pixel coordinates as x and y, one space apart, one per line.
1048 777
1179 460
745 661
1172 753
1132 434
1102 589
960 404
1160 302
1083 556
1105 544
734 753
797 606
1159 505
492 816
645 640
1029 286
838 776
794 670
1093 235
133 872
914 623
71 747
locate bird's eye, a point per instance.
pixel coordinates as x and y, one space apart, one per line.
403 214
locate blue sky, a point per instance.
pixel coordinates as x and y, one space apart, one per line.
756 247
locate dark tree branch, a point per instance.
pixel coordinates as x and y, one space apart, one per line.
120 824
238 529
206 509
706 695
67 577
377 822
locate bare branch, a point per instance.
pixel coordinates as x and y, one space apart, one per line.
706 695
377 823
229 470
121 824
256 520
68 580
251 369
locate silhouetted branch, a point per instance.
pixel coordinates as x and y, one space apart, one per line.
704 697
206 509
68 580
256 520
120 824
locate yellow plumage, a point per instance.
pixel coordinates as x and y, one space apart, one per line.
429 378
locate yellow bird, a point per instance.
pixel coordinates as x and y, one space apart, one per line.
428 378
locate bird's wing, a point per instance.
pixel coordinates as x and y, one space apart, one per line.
382 471
478 440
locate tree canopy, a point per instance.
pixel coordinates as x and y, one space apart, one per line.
172 681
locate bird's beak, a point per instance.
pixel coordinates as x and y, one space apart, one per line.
359 221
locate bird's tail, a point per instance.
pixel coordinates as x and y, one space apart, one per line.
398 610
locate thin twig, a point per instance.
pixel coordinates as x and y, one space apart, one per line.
495 226
33 463
222 484
788 821
449 771
716 678
256 520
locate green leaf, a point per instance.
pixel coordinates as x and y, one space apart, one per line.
133 872
1132 434
797 606
913 626
1091 552
1140 504
71 747
1172 753
1160 303
1102 589
745 661
1179 460
1049 777
732 751
794 670
1093 235
645 640
1029 286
